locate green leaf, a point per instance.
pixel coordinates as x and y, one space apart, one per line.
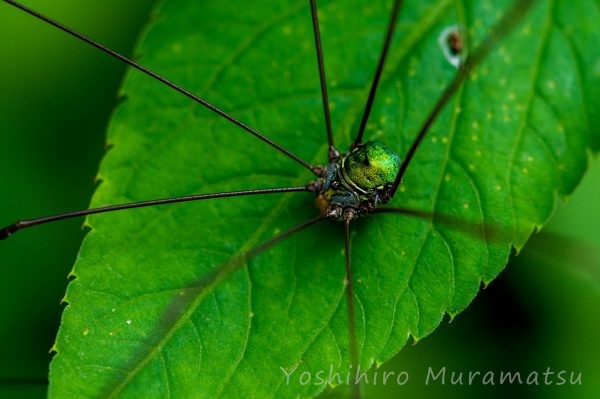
158 309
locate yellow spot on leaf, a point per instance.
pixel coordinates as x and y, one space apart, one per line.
177 48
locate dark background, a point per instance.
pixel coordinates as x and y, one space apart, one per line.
56 96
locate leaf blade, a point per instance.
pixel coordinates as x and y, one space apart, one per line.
137 264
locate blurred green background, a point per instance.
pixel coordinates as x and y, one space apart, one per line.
56 96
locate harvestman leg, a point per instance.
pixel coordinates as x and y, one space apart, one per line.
378 71
354 355
165 81
506 24
23 224
333 152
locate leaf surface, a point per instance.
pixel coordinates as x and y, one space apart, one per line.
157 310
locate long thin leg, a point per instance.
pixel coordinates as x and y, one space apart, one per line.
315 23
354 359
164 81
382 57
508 22
23 224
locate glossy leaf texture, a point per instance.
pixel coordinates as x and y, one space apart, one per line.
146 316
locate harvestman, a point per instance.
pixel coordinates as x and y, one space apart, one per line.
353 184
